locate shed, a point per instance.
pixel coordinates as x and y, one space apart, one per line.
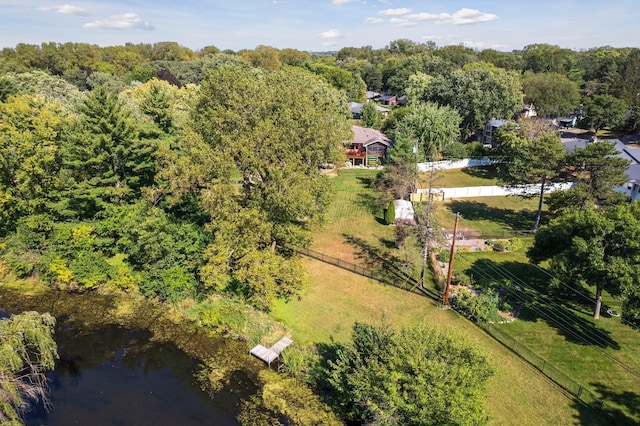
404 211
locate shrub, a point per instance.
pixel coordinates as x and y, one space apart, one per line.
390 213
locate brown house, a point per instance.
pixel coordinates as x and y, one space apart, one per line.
368 148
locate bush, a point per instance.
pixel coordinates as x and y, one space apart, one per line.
481 307
390 213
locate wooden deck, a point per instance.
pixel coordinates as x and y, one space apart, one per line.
270 354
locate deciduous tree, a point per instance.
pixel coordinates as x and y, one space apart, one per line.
530 155
594 248
417 376
27 352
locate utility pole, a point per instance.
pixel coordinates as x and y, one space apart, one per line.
450 271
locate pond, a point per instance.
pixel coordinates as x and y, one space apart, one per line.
115 374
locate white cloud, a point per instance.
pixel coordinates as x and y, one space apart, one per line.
127 21
331 34
469 16
463 16
343 1
66 9
401 22
330 44
374 20
395 12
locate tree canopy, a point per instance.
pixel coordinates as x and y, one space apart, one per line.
416 376
27 352
594 248
529 155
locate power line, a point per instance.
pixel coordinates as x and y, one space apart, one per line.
546 312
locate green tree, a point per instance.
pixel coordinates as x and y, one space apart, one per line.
273 129
594 248
417 376
31 133
477 93
431 127
390 213
529 156
109 163
551 93
602 111
597 170
157 103
27 352
371 117
397 179
265 57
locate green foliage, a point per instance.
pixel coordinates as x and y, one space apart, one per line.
284 400
371 117
31 132
416 376
531 155
594 248
27 352
482 306
390 213
512 244
551 94
251 122
431 126
477 93
108 162
602 111
597 170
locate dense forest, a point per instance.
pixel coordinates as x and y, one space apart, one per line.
181 174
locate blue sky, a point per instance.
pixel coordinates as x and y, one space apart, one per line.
323 24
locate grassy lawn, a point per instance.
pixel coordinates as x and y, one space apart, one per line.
561 340
455 178
493 217
335 299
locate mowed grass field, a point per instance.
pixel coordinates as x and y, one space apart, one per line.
597 354
335 299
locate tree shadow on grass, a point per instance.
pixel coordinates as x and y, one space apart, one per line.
485 172
509 218
524 283
615 407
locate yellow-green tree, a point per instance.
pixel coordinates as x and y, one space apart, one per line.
27 352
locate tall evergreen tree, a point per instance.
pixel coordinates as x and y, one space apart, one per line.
108 161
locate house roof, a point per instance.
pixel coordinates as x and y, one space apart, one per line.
356 108
624 151
367 136
496 123
387 97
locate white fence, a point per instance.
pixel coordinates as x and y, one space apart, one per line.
494 191
455 164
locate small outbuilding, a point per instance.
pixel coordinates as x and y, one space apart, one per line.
404 212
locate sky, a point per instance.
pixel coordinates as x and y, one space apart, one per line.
323 25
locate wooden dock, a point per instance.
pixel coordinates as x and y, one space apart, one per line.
268 355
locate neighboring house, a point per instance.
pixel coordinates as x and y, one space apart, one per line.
490 128
632 187
566 122
388 100
528 111
372 96
368 148
356 110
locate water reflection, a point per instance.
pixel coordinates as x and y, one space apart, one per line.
114 376
111 375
